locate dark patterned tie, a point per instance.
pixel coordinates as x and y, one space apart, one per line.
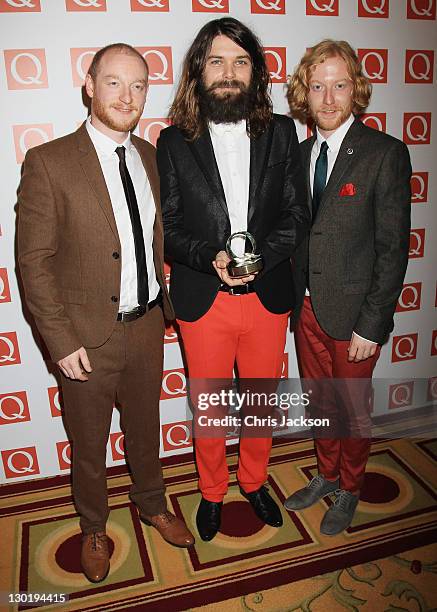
320 174
137 229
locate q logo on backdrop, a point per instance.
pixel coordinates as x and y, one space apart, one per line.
276 63
404 348
272 7
409 298
419 187
64 454
421 9
417 128
150 5
417 243
401 395
376 121
373 8
26 68
210 6
20 6
28 136
85 5
324 8
177 435
419 66
81 59
14 407
174 384
160 62
9 350
20 462
116 441
5 291
374 63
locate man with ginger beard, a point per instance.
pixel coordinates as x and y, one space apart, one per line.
349 272
91 257
228 164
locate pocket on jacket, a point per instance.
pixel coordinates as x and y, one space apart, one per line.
73 296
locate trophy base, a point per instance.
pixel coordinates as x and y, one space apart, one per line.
244 269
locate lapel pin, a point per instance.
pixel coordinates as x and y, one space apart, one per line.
349 151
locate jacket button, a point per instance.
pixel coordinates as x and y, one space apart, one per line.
114 298
115 255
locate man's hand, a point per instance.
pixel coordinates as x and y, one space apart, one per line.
76 365
360 348
220 265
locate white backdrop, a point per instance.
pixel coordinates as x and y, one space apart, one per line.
46 48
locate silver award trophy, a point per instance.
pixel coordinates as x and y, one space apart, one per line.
245 264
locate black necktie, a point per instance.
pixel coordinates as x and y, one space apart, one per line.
137 230
320 174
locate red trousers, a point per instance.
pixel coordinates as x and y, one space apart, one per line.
322 357
236 329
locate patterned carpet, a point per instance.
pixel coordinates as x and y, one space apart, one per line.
386 561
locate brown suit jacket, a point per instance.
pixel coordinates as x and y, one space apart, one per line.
68 244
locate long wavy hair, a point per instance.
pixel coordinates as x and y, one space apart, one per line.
185 111
298 83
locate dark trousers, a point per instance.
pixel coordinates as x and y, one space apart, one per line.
127 368
323 357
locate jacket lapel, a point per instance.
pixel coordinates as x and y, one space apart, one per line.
346 157
91 167
203 152
259 155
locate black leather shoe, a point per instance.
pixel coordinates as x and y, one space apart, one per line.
208 519
265 508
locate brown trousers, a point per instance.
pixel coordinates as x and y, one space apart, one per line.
127 368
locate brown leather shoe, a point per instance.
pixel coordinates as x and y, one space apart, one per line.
172 529
95 556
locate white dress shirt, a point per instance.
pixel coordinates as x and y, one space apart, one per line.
109 162
334 143
231 146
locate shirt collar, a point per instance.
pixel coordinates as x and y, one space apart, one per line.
334 141
218 129
103 143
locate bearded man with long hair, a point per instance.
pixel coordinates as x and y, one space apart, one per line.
228 164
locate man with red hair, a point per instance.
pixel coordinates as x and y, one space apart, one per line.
349 271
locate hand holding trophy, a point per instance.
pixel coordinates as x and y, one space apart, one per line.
246 264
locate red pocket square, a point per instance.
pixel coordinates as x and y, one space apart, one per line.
348 189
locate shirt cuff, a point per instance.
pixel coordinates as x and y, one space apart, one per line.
366 339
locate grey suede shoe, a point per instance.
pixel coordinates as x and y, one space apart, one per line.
340 514
317 488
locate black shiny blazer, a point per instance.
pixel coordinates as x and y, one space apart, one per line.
196 220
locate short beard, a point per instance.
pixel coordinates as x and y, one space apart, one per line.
227 108
121 125
331 127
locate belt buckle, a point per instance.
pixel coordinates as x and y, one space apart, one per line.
140 310
132 315
239 290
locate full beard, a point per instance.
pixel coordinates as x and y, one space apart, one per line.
121 124
230 107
